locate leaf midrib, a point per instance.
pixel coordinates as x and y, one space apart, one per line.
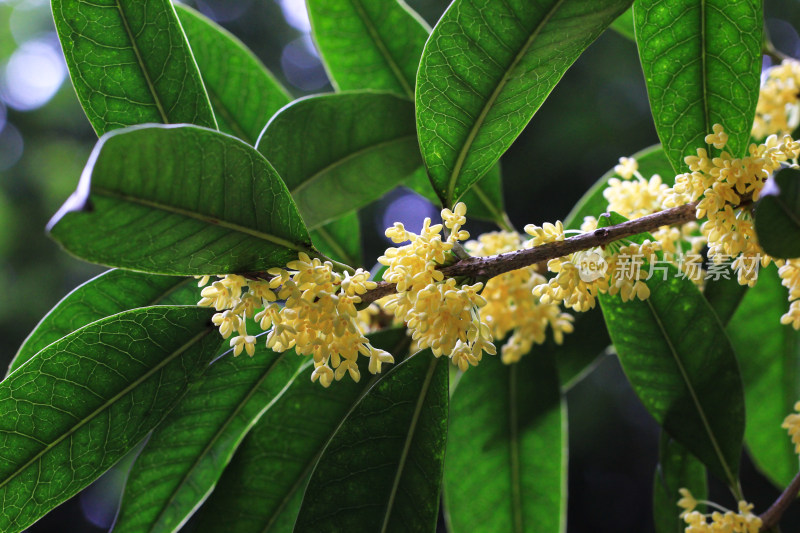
221 430
423 394
513 419
375 36
107 404
462 155
142 66
344 160
717 450
201 217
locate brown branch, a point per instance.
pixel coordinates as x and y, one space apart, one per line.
773 515
489 267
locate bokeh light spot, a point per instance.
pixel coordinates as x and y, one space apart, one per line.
32 75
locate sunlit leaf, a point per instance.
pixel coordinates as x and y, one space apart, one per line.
485 70
130 63
340 239
180 200
83 402
702 62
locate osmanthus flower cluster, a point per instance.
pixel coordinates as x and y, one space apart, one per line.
441 314
778 108
318 316
720 521
511 305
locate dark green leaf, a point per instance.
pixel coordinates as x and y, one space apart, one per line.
580 349
680 363
769 355
338 152
623 25
340 239
180 200
108 294
702 64
130 63
506 467
243 93
83 402
383 466
187 453
652 160
677 468
261 490
778 215
369 44
724 295
486 69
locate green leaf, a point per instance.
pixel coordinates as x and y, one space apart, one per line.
485 70
778 215
383 466
83 402
180 200
243 93
261 489
580 349
369 44
769 356
702 64
130 63
187 453
623 25
652 160
108 294
340 239
338 152
724 295
677 468
680 363
506 467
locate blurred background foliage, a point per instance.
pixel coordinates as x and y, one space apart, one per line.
598 113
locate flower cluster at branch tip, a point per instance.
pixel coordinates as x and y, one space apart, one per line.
441 314
778 108
722 521
511 305
319 316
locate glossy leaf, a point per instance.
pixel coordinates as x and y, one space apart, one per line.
383 466
769 355
261 490
486 69
180 200
677 468
680 363
506 466
623 25
243 93
83 402
130 63
724 295
702 64
340 239
652 160
108 294
369 44
778 215
187 453
338 152
484 199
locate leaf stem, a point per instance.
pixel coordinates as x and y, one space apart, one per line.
771 517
